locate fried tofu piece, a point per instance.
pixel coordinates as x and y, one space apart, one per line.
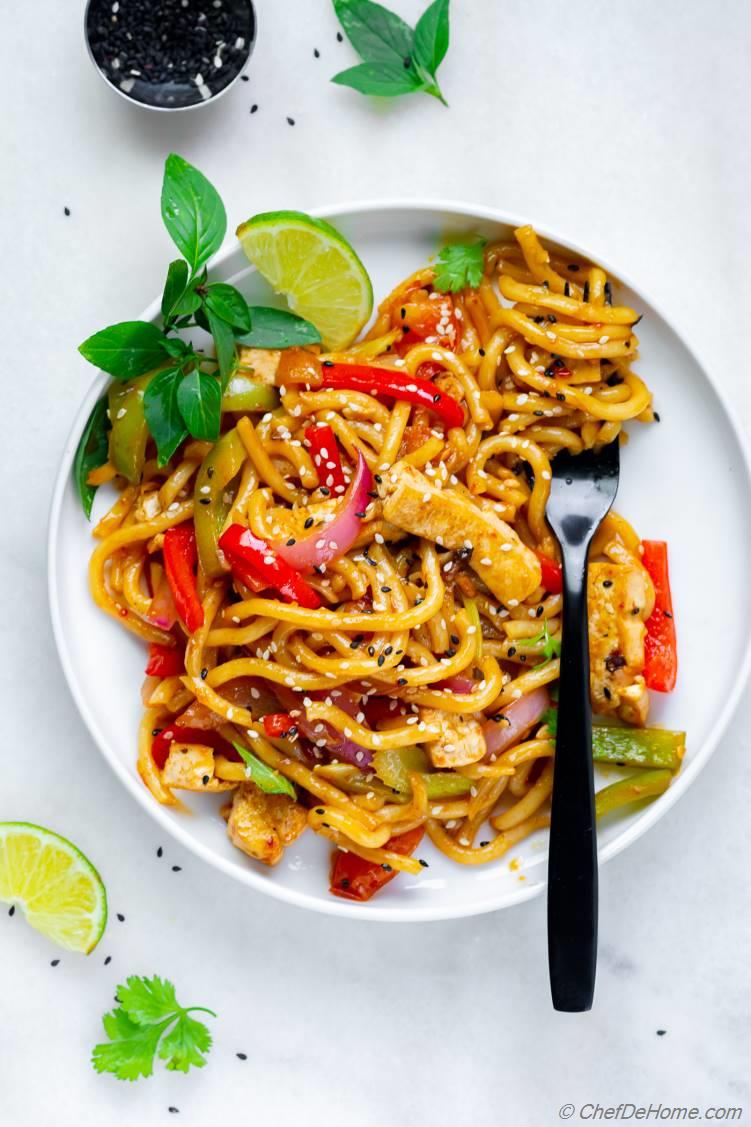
262 824
620 600
460 740
191 767
412 502
263 361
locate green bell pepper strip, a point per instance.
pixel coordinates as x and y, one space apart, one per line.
245 394
644 784
393 767
473 614
130 431
222 463
638 747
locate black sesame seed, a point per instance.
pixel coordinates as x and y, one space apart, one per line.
66 211
12 910
483 844
254 109
402 313
55 963
423 862
324 490
344 883
511 651
204 673
561 397
205 780
290 542
661 1032
308 522
539 611
607 582
356 642
210 472
244 78
402 681
204 500
290 121
481 351
386 867
121 917
585 293
159 851
316 53
339 37
657 417
176 869
108 960
608 294
361 516
377 478
552 318
386 590
320 810
437 397
451 652
241 1056
381 660
567 290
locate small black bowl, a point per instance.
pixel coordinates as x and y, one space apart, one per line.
170 54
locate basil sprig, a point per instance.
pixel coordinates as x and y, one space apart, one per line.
396 59
185 395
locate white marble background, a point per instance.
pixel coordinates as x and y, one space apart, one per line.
625 125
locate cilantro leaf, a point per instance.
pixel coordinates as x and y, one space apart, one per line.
265 777
460 265
150 1022
551 646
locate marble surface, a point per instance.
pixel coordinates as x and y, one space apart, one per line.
625 127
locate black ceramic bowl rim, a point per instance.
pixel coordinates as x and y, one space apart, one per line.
172 109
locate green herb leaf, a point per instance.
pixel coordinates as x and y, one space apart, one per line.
199 397
431 43
382 80
92 452
460 265
125 350
276 328
551 646
378 35
178 348
550 717
148 1009
224 343
174 288
163 413
265 777
227 303
192 211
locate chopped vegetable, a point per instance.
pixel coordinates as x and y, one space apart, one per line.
354 878
265 777
176 733
243 393
150 1022
393 767
180 559
508 726
165 661
219 468
394 385
332 540
638 747
130 431
325 454
551 646
277 724
660 650
644 784
552 574
460 265
257 558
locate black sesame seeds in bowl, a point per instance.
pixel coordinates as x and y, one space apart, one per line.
170 54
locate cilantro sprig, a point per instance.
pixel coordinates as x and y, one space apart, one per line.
396 59
148 1023
185 395
551 646
459 266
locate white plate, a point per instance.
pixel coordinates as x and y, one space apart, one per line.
686 480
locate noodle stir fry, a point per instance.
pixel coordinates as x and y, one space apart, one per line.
352 599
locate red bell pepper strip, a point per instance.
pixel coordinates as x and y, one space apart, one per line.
325 454
174 733
180 559
552 574
354 878
165 661
277 724
660 649
255 556
395 385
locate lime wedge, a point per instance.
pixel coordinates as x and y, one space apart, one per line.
57 888
315 268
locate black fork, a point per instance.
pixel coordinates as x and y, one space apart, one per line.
582 490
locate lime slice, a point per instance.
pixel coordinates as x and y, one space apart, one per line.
315 268
58 889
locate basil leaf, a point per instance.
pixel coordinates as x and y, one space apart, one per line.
432 37
378 35
163 413
174 288
192 211
227 303
188 303
265 777
175 346
224 342
92 452
384 80
199 397
125 350
276 328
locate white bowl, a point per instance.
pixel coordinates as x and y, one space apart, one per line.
686 480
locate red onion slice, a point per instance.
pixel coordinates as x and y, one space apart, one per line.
332 540
516 720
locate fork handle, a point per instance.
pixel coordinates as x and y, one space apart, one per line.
572 858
